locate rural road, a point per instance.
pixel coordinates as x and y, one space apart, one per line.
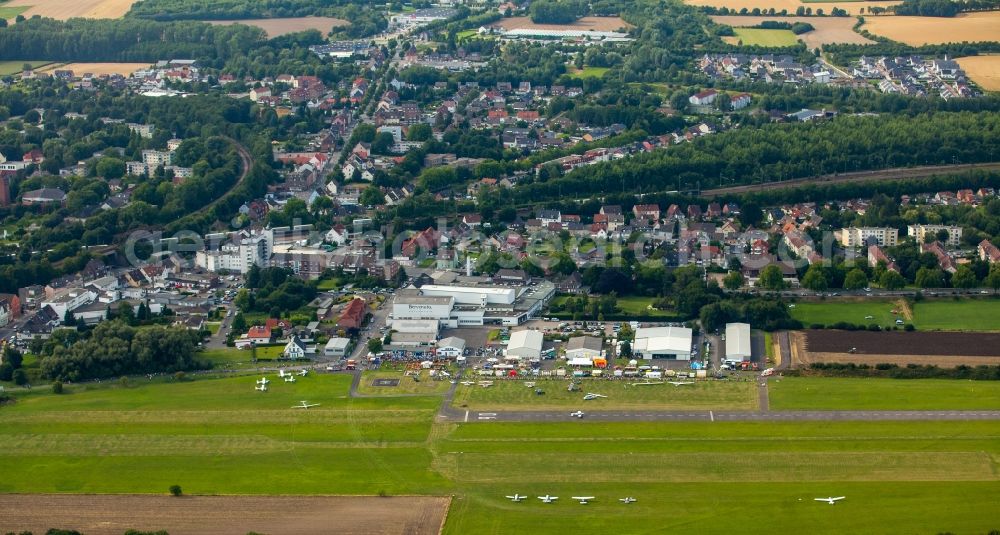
859 176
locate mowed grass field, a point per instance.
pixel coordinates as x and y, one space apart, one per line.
759 37
811 393
219 436
513 394
588 72
938 314
8 68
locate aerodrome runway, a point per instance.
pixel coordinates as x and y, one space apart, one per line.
452 414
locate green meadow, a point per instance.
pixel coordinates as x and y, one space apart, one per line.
220 436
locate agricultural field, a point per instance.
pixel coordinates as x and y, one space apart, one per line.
8 68
810 393
851 6
759 37
292 515
68 9
599 24
935 314
938 314
828 30
514 395
917 31
983 70
98 69
9 13
277 27
945 349
220 437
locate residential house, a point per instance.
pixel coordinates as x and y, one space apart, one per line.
295 348
988 252
353 315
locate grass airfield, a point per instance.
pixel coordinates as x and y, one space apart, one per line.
220 436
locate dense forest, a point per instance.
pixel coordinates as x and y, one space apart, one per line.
777 152
114 349
557 11
125 40
942 8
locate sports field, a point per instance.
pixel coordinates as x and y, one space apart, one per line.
759 37
588 72
917 31
806 393
984 70
511 394
219 436
938 314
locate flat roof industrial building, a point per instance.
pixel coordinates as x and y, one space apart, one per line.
737 342
671 343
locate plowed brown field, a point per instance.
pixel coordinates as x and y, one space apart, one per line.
945 349
289 515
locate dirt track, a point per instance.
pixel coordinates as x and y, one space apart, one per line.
288 515
939 348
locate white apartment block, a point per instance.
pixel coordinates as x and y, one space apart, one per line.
237 257
919 232
857 236
155 158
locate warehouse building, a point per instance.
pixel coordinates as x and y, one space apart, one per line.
670 343
737 343
525 345
588 347
474 305
450 347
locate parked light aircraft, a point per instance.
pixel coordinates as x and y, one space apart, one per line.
548 499
263 381
305 405
516 497
583 499
577 414
303 373
591 396
681 383
627 499
831 500
262 388
289 378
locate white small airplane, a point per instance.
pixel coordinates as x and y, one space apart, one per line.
681 383
305 405
530 384
577 414
303 373
627 499
468 383
591 396
289 378
583 499
648 383
831 500
263 381
548 499
281 373
261 388
516 497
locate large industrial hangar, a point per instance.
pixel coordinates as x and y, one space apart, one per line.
670 343
737 343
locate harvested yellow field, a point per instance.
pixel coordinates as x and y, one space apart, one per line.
984 70
791 5
918 31
67 9
828 30
599 24
276 27
98 69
